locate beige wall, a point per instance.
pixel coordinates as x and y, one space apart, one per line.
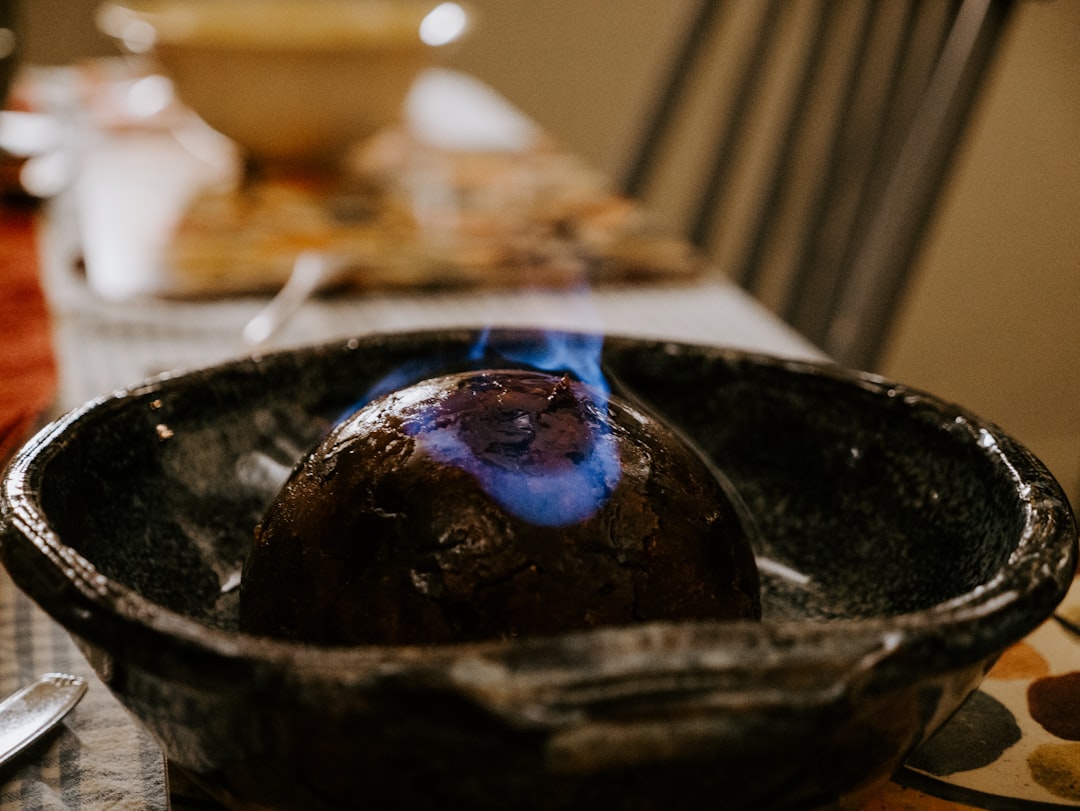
991 321
58 31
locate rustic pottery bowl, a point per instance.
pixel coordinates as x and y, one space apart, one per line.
292 81
904 544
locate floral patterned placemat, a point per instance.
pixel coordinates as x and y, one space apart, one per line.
1015 743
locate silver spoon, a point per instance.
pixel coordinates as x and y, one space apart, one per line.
311 271
33 710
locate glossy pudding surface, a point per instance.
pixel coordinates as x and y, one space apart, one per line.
490 505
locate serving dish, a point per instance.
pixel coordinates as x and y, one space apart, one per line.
904 543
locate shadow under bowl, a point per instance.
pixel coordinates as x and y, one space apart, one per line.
904 544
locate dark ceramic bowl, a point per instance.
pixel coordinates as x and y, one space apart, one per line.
904 544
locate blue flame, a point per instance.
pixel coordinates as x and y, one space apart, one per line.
549 497
546 496
549 351
545 350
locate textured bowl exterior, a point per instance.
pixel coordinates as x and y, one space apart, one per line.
904 544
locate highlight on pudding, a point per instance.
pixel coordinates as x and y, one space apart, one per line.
493 504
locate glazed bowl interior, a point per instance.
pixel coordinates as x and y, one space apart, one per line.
901 540
843 481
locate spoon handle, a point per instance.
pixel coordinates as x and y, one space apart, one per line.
311 270
31 711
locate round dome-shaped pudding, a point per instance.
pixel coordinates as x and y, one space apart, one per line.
494 504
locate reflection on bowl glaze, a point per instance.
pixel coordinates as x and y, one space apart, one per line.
926 542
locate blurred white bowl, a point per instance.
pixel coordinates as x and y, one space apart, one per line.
294 81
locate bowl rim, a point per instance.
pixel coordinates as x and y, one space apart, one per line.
961 631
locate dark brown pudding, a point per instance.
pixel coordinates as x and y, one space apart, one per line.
495 504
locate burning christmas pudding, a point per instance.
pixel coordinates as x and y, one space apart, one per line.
492 504
901 544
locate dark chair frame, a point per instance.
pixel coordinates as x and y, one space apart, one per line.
894 133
